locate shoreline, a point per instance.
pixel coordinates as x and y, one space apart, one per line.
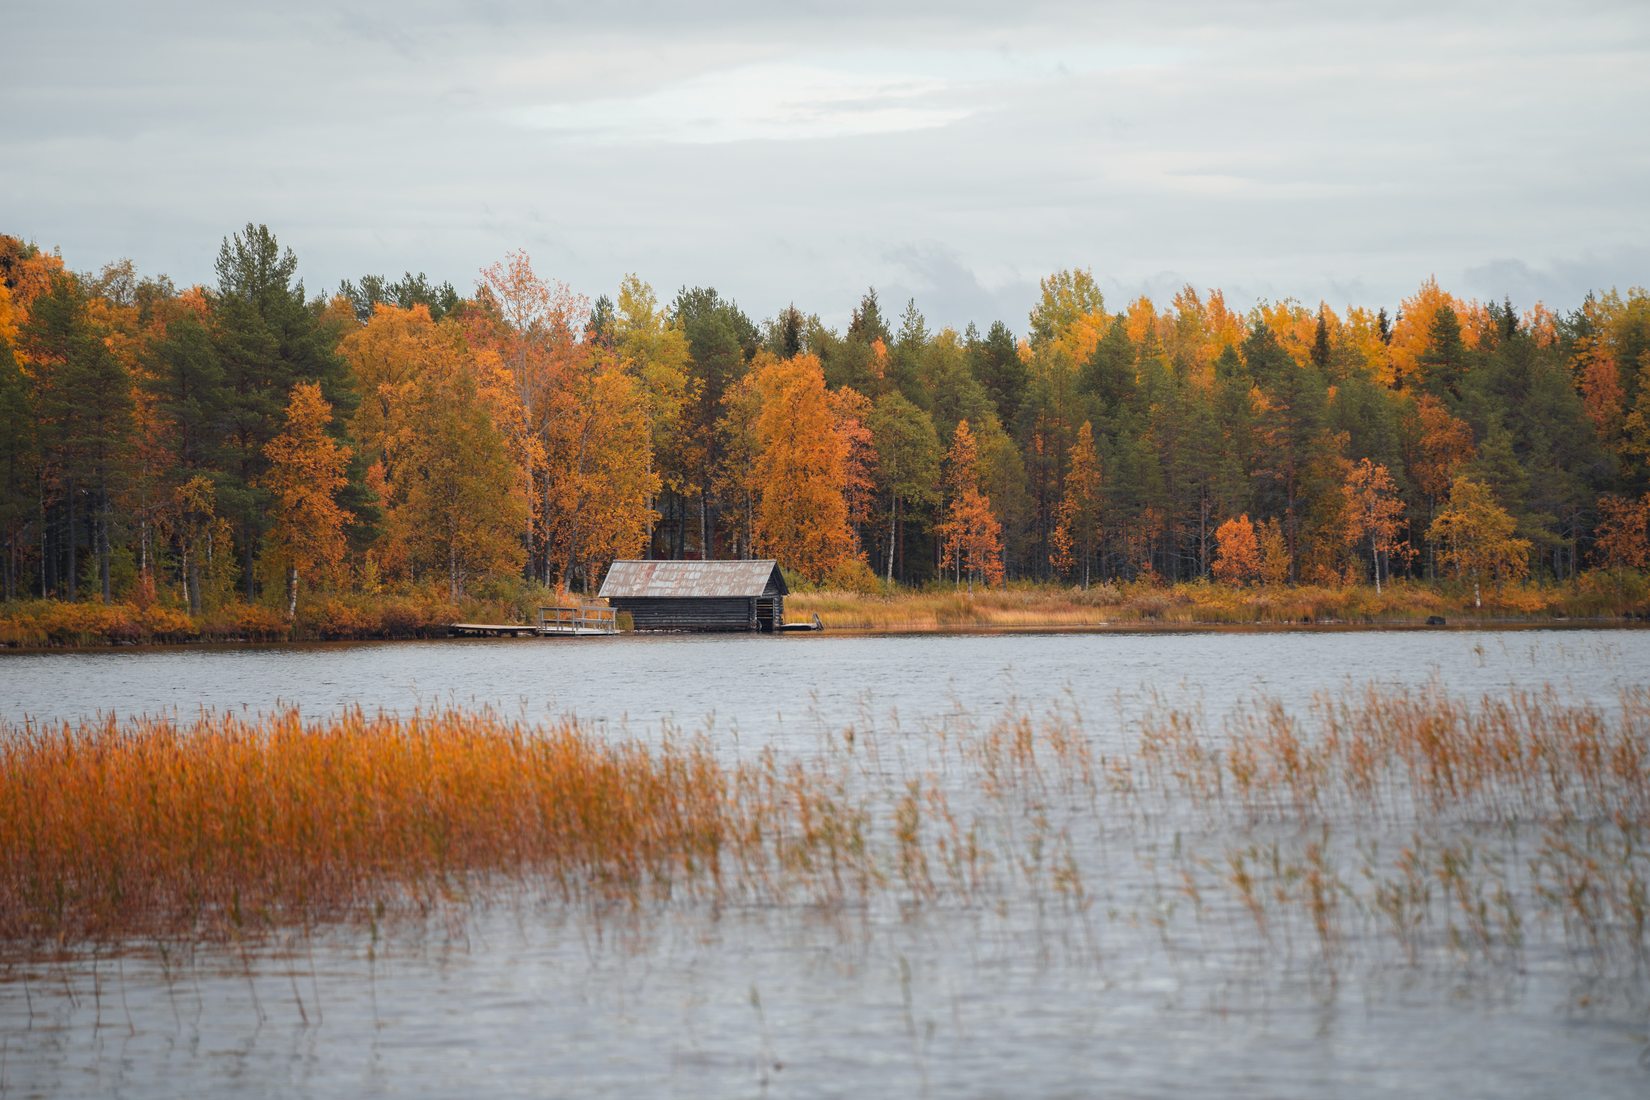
1596 600
1490 624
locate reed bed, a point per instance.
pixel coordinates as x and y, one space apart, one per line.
1382 824
223 826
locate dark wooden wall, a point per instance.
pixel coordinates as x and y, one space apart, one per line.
708 614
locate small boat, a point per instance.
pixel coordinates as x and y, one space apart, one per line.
795 628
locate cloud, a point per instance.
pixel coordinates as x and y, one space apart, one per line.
767 102
1563 281
954 151
949 292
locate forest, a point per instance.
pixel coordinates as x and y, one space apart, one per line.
251 445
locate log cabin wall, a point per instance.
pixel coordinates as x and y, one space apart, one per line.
690 614
698 595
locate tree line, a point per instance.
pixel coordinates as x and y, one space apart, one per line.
249 439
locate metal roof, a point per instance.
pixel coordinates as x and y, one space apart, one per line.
669 580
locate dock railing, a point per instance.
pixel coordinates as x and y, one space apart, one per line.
578 618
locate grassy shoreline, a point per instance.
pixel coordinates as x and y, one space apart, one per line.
1595 600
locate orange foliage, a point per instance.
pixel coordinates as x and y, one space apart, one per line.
1294 326
802 469
1141 321
1601 390
1442 444
1078 525
1237 552
8 317
971 537
1542 325
1361 332
1412 332
598 494
1624 532
1373 512
852 412
306 472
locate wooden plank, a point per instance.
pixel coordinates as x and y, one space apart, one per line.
490 630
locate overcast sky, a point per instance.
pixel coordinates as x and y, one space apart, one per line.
950 151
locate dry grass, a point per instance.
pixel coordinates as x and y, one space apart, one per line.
1033 606
42 624
225 827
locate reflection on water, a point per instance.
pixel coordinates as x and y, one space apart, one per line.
528 1005
1133 992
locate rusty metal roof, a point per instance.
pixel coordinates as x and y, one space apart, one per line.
671 580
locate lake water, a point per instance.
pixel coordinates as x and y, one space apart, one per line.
1130 995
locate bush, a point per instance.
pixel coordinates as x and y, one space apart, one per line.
1611 592
167 624
246 622
853 575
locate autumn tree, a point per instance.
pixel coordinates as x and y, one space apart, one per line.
1417 333
536 328
1623 536
1237 552
653 348
1070 312
1078 528
204 542
1475 537
802 516
1275 559
456 500
851 413
306 473
970 535
1437 447
1374 513
600 491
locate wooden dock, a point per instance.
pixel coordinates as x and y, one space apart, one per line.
577 619
561 620
491 630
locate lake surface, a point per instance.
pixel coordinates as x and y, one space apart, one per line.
1132 994
763 685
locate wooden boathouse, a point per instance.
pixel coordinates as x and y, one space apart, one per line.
699 595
